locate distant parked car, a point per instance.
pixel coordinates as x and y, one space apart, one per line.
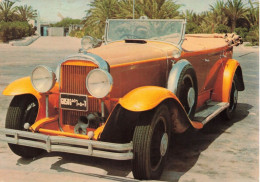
123 99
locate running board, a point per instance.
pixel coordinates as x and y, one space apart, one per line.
212 110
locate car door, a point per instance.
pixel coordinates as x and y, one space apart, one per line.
200 65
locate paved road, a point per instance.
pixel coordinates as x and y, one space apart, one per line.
222 151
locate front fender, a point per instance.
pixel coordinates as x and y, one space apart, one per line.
120 125
223 84
20 87
146 98
23 86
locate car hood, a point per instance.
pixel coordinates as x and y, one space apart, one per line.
120 52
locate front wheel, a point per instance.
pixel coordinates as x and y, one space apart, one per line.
151 143
23 109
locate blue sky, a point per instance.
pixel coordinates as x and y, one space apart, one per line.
52 10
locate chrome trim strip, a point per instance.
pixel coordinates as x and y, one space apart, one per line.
67 144
175 74
183 33
182 20
85 56
46 105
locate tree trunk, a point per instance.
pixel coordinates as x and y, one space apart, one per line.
233 25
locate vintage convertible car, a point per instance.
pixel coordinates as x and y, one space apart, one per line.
123 99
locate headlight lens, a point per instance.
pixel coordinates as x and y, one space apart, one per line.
99 83
43 79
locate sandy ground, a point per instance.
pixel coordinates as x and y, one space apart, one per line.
222 151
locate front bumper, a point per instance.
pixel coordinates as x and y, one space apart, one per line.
67 144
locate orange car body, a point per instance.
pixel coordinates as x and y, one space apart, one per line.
123 99
134 76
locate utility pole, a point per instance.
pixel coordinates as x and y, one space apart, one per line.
133 9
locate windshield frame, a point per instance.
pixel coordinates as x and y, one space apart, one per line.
183 21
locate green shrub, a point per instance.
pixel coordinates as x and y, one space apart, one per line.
253 36
192 28
77 33
222 29
15 30
242 32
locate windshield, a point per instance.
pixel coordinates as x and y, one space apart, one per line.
149 29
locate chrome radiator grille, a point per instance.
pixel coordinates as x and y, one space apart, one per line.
73 81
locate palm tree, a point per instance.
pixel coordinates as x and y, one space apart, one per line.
7 11
126 9
153 9
218 12
206 22
26 12
168 10
100 11
235 9
189 15
252 15
159 9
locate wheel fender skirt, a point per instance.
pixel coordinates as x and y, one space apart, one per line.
224 80
121 122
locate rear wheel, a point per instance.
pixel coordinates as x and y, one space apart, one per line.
229 112
23 109
151 143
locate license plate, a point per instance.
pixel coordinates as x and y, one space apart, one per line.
74 102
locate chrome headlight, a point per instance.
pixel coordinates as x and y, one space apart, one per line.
43 79
99 83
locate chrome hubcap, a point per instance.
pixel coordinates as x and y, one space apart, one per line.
191 97
235 96
164 144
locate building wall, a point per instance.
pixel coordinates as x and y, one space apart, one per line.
56 31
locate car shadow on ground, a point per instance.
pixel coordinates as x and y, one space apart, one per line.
185 150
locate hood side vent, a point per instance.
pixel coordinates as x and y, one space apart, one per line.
137 41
